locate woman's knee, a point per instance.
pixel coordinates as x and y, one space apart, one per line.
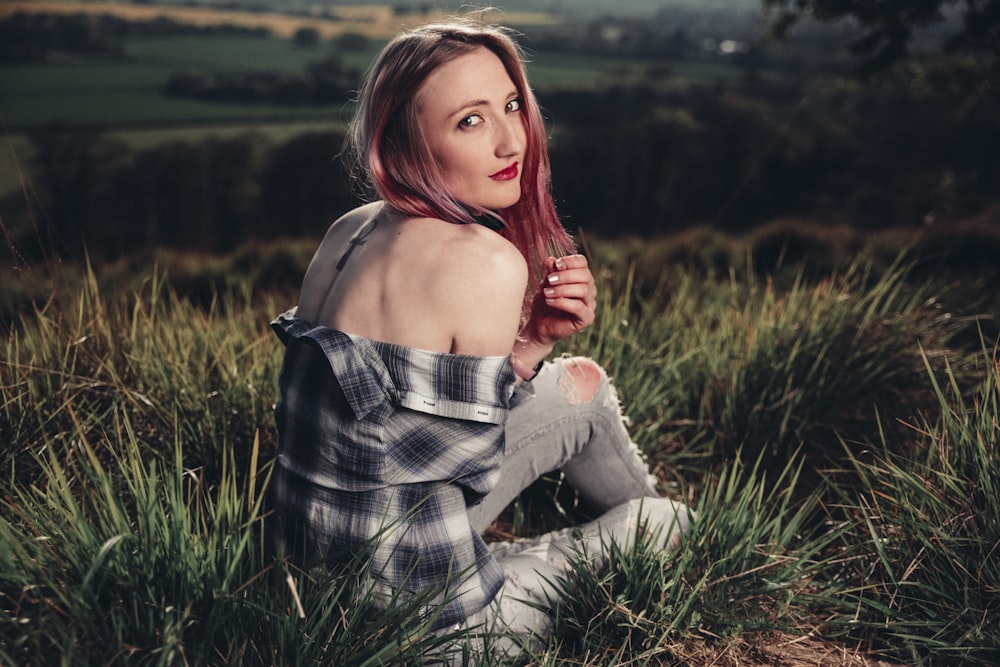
580 379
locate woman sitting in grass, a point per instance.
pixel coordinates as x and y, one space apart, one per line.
415 402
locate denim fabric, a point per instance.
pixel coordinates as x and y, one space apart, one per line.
547 430
517 618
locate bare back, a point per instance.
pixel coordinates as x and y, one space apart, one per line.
419 282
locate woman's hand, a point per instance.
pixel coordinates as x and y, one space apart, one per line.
565 302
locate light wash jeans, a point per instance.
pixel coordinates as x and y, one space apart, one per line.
550 428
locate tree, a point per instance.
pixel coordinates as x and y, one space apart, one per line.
888 26
306 37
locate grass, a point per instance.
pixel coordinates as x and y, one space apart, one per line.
835 432
724 584
931 526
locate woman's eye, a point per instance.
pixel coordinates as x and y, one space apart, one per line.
470 121
513 105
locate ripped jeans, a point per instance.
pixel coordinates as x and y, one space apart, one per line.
567 418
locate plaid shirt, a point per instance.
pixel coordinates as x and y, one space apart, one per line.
381 450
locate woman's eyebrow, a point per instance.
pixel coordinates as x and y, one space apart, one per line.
481 103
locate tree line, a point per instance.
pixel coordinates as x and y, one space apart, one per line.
919 144
93 193
32 37
886 31
640 160
324 82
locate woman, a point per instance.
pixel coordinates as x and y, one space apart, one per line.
415 404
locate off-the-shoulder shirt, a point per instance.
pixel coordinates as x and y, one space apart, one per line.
381 450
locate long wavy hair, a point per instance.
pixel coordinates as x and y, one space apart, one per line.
388 154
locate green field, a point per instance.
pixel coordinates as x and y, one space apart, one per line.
223 53
127 91
123 96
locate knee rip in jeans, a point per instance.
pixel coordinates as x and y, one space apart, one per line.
580 379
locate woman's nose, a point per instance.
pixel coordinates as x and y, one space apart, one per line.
511 137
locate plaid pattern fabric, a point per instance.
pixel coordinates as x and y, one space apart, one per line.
381 449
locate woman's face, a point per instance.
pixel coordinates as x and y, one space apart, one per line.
469 111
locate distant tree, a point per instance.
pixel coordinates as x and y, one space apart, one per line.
306 37
888 27
72 170
303 186
26 38
423 9
323 82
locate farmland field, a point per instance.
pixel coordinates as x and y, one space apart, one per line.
123 94
276 54
127 90
375 21
88 90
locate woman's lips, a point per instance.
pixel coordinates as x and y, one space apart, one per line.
505 174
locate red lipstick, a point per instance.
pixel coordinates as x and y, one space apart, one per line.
505 174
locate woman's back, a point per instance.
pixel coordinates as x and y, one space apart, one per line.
418 282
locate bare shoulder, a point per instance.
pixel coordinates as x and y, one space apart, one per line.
477 258
421 282
479 280
480 253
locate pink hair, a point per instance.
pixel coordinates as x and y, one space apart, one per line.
391 156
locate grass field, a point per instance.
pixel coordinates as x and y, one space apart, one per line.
835 428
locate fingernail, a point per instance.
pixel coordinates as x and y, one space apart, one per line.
549 291
560 263
553 277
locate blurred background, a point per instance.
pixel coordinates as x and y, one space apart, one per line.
204 125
